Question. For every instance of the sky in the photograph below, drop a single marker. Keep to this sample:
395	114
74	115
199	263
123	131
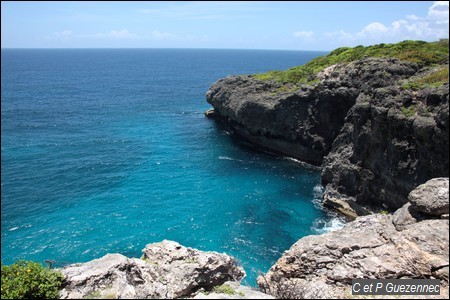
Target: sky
290	25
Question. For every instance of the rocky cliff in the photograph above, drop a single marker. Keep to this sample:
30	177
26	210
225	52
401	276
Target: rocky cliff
378	126
412	243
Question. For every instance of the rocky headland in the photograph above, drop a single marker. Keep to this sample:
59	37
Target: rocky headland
377	125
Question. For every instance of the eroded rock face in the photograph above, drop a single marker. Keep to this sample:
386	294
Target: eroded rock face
408	244
375	140
382	153
167	270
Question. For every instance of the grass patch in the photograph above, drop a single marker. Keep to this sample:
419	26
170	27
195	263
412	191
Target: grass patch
419	52
435	79
190	261
284	89
408	111
93	295
224	289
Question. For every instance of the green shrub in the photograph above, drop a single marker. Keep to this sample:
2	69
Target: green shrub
419	52
224	289
408	111
30	280
435	79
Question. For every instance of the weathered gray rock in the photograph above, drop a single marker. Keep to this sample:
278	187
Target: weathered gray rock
186	270
369	247
167	270
381	153
344	204
232	290
403	217
431	197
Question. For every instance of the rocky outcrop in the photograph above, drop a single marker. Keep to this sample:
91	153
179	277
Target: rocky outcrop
384	149
375	139
431	197
166	270
373	247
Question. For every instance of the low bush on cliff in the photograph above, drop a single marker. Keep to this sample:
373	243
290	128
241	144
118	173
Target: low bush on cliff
437	78
30	280
419	52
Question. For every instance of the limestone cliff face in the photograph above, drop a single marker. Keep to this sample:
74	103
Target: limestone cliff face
374	139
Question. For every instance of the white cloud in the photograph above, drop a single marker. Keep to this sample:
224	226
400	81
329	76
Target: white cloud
162	35
340	35
374	27
431	27
303	34
438	11
121	34
412	17
113	35
65	33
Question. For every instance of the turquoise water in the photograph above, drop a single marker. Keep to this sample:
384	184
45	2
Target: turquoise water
107	150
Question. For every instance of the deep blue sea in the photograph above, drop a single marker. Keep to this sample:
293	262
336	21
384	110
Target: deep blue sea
107	150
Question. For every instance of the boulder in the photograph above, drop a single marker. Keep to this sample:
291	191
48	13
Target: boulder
166	270
431	197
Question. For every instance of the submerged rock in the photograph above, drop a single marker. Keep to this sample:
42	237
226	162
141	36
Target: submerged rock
166	270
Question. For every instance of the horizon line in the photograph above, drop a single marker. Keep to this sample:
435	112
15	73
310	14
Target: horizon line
154	48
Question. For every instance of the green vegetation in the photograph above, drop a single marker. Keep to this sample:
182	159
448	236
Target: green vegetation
94	295
435	79
420	52
190	260
30	280
98	295
224	289
408	111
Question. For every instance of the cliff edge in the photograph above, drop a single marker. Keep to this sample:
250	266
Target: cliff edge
375	118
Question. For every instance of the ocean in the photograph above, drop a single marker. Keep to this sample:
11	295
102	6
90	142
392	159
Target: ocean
107	150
